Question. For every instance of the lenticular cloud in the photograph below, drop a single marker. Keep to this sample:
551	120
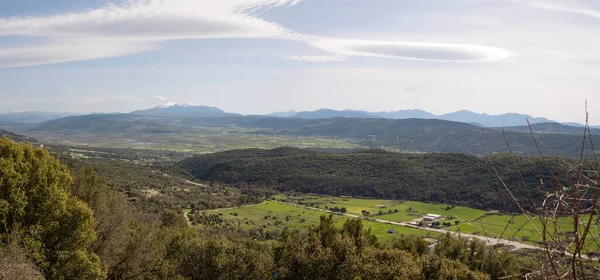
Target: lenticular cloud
411	50
144	25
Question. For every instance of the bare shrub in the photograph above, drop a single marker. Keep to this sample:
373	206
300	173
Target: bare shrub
14	263
567	208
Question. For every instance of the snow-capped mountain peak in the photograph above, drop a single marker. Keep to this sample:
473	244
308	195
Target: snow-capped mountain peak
182	109
170	104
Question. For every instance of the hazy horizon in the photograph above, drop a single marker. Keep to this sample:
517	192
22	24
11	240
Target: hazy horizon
280	111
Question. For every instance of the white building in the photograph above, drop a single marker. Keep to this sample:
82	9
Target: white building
432	217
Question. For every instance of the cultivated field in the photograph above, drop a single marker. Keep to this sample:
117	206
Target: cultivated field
522	229
391	210
275	216
199	140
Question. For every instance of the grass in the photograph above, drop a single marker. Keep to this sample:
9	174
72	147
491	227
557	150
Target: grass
471	221
407	210
292	217
353	205
518	228
200	140
410	210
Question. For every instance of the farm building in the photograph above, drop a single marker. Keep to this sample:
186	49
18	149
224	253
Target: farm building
432	217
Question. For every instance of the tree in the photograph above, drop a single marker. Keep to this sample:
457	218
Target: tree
35	200
220	258
361	236
343	210
326	230
474	254
412	244
111	212
438	267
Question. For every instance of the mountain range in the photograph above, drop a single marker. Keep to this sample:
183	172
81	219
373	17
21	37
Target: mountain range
32	116
172	109
503	120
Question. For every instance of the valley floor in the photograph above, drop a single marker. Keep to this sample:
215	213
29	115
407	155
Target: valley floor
388	219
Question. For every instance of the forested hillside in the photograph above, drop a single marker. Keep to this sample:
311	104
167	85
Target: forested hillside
448	178
16	137
552	128
105	123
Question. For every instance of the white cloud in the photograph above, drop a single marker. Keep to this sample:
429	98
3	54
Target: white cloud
158	97
155	20
314	58
69	50
410	50
142	25
137	25
564	6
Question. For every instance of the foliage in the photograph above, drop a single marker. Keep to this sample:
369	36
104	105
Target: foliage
494	262
327	253
153	189
412	244
16	137
56	228
445	178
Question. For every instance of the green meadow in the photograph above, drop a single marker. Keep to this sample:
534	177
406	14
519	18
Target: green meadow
272	215
275	216
527	229
406	210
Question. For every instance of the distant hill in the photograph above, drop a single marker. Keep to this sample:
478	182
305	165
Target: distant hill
182	110
31	116
420	135
405	114
465	116
185	110
411	135
16	137
579	125
447	178
328	113
414	135
283	114
105	123
551	128
510	119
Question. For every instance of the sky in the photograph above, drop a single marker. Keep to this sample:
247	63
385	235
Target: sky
539	57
